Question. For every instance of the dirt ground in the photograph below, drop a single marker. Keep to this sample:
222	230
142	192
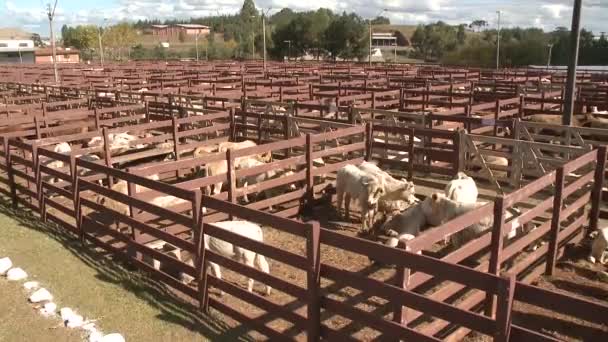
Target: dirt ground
574	276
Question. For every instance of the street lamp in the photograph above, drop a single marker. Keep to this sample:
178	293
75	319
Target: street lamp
498	41
289	49
264	33
549	57
196	44
370	34
51	15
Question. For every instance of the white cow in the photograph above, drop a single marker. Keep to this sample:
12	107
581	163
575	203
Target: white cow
352	182
462	189
246	229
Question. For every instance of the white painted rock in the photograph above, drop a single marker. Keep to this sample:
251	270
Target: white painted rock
31	285
75	321
41	295
95	336
48	309
114	337
5	265
16	274
66	313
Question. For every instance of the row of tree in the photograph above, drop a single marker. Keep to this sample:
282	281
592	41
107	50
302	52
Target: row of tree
325	34
117	40
518	47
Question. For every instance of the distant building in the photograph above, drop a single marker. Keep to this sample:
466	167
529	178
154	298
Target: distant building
384	39
174	30
64	55
16	51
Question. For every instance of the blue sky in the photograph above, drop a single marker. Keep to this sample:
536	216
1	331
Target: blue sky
547	14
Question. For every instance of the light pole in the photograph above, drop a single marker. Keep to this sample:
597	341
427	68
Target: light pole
549	57
370	34
51	15
288	49
196	45
99	33
498	41
264	33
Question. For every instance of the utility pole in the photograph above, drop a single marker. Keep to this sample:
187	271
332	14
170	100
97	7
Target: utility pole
575	35
99	34
370	42
549	57
51	14
498	42
196	45
264	35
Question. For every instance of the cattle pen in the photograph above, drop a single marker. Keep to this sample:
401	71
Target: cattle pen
424	124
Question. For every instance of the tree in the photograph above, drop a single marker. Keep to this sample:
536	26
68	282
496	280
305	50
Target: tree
299	32
461	34
401	39
282	18
380	20
479	24
246	33
119	37
37	40
346	37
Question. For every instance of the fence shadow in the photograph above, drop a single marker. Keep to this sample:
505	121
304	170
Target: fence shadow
174	309
573	328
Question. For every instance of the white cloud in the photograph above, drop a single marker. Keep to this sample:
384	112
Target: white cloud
555	10
547	14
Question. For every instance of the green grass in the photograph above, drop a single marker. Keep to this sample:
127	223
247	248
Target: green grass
122	300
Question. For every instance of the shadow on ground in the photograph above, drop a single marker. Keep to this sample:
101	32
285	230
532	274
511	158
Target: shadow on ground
173	308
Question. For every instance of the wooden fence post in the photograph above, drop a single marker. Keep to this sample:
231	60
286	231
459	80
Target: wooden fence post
259	127
78	211
107	153
175	134
506	292
310	181
313	277
402	278
496	117
75	195
496	249
232	124
37	178
199	244
37	127
9	171
598	184
135	233
460	149
410	155
231	175
558	203
97	120
369	141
